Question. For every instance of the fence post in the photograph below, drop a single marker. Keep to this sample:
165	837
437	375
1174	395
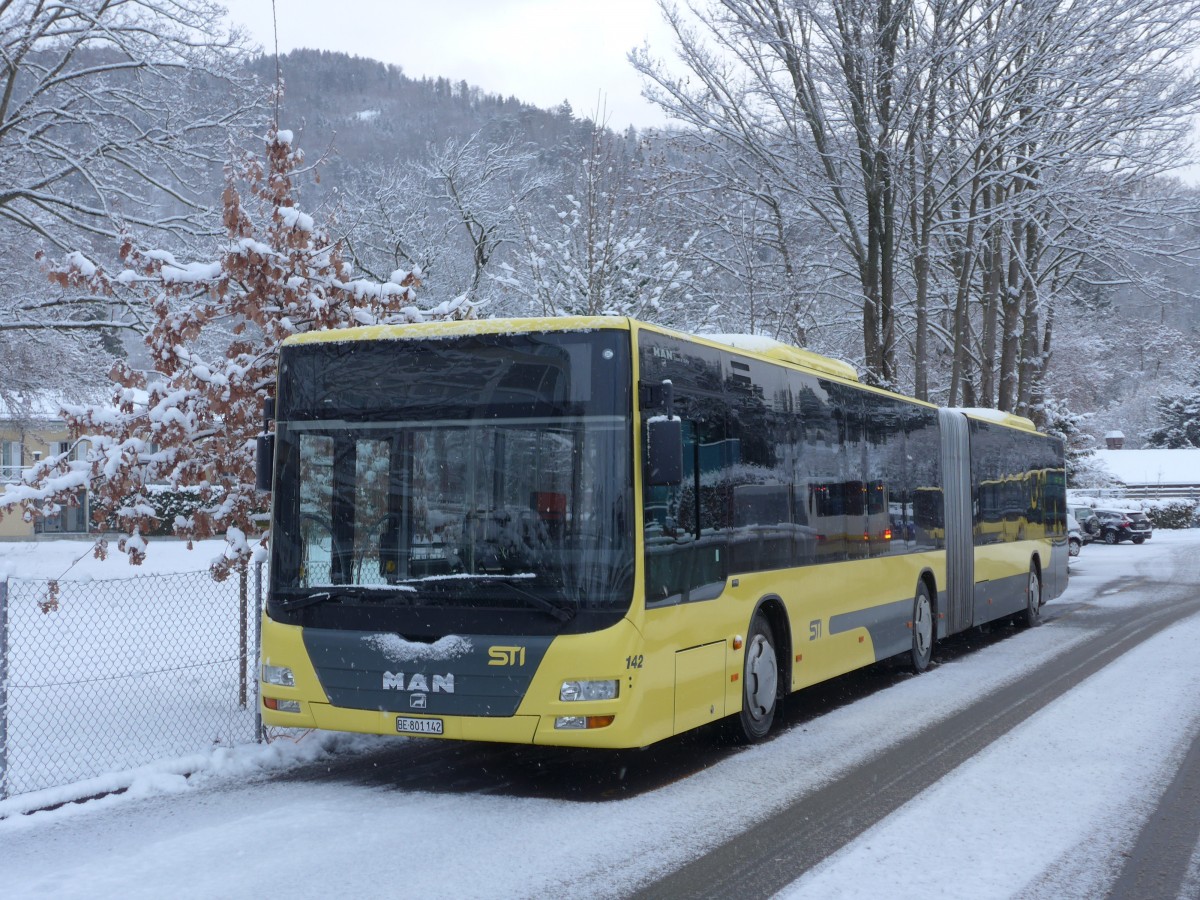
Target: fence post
243	636
4	689
258	606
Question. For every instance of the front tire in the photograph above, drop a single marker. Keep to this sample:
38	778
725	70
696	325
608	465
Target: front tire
1073	547
921	653
1033	601
1110	537
760	682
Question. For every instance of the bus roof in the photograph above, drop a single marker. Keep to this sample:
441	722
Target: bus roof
746	343
781	352
1012	420
753	345
418	330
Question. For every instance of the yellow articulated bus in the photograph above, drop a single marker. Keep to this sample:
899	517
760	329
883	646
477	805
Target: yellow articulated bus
597	532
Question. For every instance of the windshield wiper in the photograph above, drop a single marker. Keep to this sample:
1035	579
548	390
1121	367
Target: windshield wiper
306	600
349	592
560	611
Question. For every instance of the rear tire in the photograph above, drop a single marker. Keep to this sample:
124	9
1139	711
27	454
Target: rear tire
1139	540
921	653
760	682
1033	601
1073	547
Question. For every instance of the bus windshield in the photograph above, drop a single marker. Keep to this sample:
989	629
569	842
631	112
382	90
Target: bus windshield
480	472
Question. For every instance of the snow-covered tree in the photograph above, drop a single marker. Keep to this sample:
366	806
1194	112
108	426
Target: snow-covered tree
1059	421
1178	416
449	217
191	422
114	116
101	121
596	253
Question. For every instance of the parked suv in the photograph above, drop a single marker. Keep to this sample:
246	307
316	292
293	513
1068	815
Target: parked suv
1118	525
1089	522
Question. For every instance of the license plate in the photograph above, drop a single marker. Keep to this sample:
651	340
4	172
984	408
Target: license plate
405	725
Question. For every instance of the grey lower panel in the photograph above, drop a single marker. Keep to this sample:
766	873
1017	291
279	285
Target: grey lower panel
887	625
475	675
1000	597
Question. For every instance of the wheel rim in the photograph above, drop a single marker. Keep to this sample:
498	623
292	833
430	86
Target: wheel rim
762	678
1110	538
923	626
1035	593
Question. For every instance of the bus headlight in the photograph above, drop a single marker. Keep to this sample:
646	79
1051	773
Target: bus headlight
588	690
280	675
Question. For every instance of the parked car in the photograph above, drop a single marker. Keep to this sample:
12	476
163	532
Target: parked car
1118	525
1089	522
1142	529
1074	536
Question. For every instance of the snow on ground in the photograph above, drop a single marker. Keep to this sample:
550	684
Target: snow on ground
74	560
1043	811
94	663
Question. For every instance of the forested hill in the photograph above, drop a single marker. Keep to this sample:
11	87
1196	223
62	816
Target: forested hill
370	112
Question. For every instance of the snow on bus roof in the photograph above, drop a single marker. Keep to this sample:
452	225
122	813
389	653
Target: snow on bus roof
778	350
998	416
458	327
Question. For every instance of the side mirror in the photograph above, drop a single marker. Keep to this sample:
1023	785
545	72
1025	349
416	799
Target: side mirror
264	449
664	451
264	461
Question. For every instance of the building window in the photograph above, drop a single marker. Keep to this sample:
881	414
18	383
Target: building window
10	460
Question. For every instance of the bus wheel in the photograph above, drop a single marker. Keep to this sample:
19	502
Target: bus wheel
760	682
1033	601
922	630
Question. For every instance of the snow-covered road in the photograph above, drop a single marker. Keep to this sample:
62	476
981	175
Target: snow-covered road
1047	810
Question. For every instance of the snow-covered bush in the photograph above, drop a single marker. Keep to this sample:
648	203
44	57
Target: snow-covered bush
1172	513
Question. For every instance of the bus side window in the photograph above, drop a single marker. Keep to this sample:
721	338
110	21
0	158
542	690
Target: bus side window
686	525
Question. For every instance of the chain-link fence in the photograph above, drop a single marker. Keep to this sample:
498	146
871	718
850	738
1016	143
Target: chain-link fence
100	676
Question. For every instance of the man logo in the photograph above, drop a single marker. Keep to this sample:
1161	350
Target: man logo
506	656
442	684
418	701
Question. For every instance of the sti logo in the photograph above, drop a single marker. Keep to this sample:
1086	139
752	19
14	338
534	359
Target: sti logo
442	684
506	656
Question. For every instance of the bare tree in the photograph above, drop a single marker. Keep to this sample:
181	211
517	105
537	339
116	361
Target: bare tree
815	96
448	218
100	121
971	161
110	125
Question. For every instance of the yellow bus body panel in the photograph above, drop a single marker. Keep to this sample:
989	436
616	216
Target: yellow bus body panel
678	668
615	653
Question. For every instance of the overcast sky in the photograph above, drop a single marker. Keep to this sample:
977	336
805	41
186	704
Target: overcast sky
541	51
